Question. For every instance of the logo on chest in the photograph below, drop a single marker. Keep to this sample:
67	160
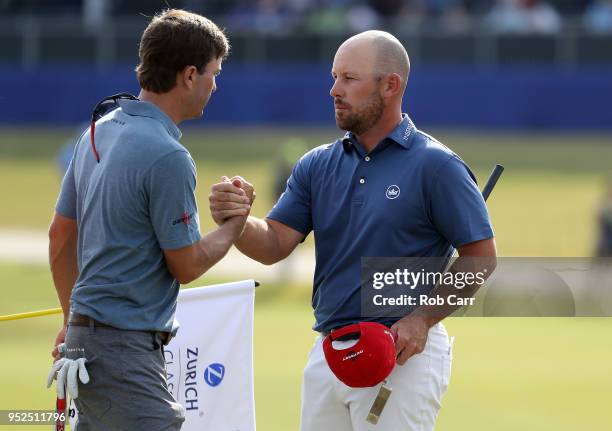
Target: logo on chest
392	192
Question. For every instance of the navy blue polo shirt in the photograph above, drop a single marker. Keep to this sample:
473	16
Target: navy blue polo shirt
410	196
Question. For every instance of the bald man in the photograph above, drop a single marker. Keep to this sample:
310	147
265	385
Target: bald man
384	189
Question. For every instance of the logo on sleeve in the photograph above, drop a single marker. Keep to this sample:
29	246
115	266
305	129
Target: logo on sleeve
185	218
393	192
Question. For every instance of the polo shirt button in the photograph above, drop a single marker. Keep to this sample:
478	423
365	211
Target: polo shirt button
362	181
367	158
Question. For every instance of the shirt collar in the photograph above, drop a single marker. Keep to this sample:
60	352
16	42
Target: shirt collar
142	108
402	135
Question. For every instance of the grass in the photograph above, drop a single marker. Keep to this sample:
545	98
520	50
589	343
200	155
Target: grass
533	213
531	374
544	204
508	374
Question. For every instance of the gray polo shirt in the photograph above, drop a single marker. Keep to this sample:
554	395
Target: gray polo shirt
136	202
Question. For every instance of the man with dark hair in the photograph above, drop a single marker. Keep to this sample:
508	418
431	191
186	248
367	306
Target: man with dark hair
174	40
384	189
126	229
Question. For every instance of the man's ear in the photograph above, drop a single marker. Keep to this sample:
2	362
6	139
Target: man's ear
186	77
392	84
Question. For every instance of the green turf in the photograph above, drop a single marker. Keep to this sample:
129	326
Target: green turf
565	152
551	181
530	374
508	374
534	213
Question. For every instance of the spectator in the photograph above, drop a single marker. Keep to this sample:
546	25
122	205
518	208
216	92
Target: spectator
263	16
363	17
598	17
524	17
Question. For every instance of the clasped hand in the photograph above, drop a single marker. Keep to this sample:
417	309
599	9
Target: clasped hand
228	198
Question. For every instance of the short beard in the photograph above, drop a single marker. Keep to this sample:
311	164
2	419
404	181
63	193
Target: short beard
359	122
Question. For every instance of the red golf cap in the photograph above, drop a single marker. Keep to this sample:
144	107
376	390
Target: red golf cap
369	361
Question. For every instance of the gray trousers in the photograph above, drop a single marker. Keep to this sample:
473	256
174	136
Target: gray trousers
127	390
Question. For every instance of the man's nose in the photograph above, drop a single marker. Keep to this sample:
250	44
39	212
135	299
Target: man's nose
335	90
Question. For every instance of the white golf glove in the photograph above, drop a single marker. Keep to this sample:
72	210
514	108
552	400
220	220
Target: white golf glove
67	371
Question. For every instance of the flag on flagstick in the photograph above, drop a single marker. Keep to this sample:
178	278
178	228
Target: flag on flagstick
210	363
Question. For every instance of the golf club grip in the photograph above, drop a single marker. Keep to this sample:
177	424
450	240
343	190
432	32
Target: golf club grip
495	174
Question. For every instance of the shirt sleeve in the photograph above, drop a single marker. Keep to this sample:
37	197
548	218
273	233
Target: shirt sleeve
67	199
293	208
173	210
457	207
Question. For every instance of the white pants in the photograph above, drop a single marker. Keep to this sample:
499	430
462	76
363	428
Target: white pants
418	387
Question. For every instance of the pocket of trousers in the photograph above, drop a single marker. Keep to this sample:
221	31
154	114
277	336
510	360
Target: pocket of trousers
137	368
93	399
447	365
138	343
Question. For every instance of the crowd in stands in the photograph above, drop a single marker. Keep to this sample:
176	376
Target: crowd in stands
341	16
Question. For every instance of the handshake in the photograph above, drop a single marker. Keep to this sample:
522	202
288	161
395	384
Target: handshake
230	201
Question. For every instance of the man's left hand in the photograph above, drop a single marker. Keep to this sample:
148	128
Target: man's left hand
248	188
61	336
410	337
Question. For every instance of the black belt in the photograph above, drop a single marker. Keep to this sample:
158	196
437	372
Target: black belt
76	319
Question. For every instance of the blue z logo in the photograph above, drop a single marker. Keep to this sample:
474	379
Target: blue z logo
213	375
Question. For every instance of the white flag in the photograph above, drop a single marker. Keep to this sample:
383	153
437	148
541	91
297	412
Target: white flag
209	363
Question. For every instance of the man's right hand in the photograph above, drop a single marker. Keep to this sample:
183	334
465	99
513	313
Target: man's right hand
227	199
266	241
